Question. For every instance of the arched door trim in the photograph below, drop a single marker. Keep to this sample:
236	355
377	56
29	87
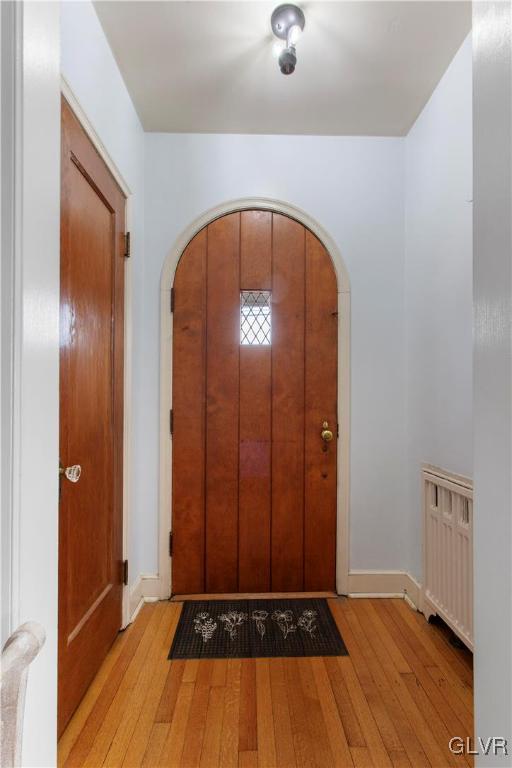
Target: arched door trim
162	586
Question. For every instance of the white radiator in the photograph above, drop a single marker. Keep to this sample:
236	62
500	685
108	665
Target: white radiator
448	550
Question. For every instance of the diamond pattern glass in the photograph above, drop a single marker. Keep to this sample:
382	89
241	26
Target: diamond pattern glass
255	318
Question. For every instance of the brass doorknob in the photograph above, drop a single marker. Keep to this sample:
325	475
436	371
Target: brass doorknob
71	473
326	433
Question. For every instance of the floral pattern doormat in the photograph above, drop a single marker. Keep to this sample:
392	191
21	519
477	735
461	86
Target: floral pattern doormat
220	629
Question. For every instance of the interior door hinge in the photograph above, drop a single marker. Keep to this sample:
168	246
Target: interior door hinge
172	299
337	430
127	245
171	421
170	543
125	572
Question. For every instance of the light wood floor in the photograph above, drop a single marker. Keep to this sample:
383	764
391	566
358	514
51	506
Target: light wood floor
396	700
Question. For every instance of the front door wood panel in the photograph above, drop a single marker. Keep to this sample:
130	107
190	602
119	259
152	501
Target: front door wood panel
288	405
255	440
222	411
321	337
91	413
254	485
189	418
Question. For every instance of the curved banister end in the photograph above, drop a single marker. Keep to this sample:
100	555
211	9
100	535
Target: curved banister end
19	651
22	646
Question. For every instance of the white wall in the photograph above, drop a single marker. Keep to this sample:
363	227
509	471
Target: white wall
354	188
493	372
90	70
438	287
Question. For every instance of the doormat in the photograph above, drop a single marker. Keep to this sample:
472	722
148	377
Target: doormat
241	629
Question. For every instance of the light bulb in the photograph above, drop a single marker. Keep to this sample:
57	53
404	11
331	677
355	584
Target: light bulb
293	34
277	48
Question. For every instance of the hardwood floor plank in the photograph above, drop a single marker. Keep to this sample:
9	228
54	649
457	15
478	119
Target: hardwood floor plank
265	723
210	753
304	747
333	724
173	747
190	671
196	723
315	719
170	692
219	672
361	757
248	740
285	751
346	711
231	721
399	759
248	759
155	745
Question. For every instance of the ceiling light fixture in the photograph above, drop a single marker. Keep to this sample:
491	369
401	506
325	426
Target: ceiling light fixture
287	24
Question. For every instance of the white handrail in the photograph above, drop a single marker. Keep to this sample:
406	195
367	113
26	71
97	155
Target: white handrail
18	652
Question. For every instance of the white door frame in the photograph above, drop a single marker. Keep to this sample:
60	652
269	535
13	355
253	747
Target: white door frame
30	224
84	121
167	278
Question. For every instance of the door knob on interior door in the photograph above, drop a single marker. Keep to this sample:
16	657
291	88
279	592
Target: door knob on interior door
326	433
71	473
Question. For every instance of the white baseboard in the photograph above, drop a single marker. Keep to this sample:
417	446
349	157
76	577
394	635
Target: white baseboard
146	589
385	584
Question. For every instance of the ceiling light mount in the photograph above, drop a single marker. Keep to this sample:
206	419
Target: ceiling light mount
287	23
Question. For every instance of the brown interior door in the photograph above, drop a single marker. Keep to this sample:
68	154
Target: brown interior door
254	379
91	413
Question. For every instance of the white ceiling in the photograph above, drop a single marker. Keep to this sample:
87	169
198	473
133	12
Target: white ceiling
364	68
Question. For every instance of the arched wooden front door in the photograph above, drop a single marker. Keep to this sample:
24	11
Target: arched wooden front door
254	379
